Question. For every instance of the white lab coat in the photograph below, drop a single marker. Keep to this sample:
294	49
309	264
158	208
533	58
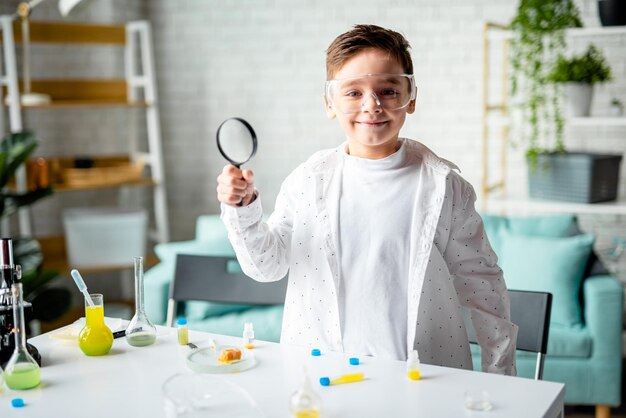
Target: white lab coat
300	238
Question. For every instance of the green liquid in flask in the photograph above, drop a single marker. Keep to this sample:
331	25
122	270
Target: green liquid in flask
22	376
141	339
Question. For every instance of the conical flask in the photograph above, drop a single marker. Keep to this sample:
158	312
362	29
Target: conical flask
22	371
140	331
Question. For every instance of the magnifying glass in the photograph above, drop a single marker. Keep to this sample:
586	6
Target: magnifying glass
236	141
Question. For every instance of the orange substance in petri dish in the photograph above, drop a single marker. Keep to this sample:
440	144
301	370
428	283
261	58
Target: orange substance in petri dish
229	355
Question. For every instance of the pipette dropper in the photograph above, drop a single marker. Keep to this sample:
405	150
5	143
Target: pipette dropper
81	286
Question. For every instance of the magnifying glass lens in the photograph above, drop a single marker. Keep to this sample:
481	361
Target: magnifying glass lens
236	141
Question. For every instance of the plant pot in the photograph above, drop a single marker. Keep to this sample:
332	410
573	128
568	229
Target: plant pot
579	177
612	12
578	99
616	110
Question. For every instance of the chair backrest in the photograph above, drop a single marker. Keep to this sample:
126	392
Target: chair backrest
530	311
219	279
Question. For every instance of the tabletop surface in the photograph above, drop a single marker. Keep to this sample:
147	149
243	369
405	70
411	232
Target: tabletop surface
128	382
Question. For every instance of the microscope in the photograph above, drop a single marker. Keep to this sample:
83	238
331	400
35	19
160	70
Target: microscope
9	274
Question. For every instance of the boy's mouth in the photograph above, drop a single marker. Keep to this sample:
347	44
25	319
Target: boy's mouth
372	123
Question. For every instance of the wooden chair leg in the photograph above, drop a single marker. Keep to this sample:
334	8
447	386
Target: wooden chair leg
603	411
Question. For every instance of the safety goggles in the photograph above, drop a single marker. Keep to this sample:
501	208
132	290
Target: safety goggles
389	91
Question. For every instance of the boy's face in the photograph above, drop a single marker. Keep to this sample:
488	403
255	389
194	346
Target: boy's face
372	131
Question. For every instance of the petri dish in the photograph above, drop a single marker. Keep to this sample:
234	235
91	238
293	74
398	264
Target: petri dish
477	400
204	360
199	395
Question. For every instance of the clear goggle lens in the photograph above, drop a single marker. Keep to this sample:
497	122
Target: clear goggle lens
389	91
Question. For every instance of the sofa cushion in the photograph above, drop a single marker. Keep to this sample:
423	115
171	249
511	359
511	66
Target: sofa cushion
554	265
543	226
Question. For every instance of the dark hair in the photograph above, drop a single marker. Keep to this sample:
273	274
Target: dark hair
362	37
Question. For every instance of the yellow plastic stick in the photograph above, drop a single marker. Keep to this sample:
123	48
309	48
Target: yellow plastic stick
346	378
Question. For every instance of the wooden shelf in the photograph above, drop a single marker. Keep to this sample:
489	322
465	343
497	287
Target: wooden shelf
599	30
55	258
71	33
143	182
136	88
597	121
73	104
522	205
73	93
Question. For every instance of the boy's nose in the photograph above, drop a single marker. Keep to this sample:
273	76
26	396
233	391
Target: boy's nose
367	104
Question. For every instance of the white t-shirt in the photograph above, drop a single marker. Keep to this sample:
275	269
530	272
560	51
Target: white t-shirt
377	197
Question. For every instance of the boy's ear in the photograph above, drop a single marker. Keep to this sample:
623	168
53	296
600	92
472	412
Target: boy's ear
330	112
411	107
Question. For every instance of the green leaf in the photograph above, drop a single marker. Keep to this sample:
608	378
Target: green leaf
590	67
11	202
15	149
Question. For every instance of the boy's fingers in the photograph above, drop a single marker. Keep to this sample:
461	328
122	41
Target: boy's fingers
235	185
248	176
231	170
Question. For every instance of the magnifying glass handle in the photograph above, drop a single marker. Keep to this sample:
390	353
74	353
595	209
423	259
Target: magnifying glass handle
240	203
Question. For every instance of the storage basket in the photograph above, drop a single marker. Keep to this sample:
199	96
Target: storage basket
104	237
578	177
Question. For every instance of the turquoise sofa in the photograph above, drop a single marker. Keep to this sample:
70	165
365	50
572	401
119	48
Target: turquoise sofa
539	253
549	253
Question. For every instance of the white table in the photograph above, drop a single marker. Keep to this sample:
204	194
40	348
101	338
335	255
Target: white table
127	383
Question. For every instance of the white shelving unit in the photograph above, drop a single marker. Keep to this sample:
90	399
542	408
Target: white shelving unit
136	90
496	116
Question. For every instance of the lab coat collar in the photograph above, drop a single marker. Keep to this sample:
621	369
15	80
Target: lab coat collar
321	162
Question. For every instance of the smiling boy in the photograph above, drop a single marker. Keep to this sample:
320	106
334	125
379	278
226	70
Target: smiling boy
379	236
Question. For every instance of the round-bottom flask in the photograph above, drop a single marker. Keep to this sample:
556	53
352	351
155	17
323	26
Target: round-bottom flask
95	339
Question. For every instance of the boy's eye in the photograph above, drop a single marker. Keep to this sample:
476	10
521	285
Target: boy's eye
352	94
388	93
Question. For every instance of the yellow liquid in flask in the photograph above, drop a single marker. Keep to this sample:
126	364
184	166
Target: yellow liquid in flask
96	338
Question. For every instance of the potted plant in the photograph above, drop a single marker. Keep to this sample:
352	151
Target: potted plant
49	302
579	74
538	41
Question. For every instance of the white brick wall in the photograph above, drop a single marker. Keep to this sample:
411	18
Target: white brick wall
265	61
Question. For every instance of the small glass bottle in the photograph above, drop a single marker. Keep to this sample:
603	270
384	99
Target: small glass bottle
95	339
183	331
305	402
413	366
248	335
22	371
140	331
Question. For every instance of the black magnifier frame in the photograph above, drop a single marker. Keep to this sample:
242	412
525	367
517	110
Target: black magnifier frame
237	164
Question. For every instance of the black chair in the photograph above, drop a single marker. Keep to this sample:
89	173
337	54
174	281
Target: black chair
218	279
530	311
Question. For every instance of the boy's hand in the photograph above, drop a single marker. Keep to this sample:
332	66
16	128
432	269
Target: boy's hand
235	187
